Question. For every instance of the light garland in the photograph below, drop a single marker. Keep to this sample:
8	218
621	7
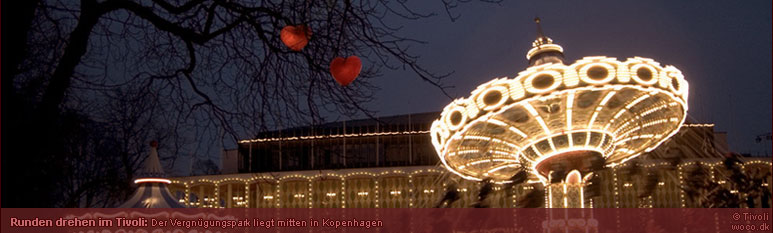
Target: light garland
408	175
152	180
542	48
333	136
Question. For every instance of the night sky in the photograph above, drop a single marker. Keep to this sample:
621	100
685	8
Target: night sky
722	47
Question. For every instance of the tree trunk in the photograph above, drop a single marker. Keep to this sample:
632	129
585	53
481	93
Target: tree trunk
76	48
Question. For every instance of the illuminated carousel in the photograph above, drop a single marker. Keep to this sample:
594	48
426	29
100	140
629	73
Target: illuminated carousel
557	121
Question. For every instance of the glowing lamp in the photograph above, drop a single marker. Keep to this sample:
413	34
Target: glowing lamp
345	70
295	37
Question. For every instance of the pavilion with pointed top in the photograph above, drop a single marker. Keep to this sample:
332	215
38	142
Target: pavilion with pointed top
152	191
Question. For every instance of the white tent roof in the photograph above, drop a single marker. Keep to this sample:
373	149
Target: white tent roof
152	191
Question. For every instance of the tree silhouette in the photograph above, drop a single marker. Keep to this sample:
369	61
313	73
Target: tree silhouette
711	194
208	66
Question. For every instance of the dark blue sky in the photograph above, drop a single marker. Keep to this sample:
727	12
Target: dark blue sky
722	47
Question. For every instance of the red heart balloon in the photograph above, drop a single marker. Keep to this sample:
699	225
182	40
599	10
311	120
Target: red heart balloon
295	37
345	70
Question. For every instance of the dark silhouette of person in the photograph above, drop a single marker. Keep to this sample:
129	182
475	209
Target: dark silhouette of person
485	190
451	195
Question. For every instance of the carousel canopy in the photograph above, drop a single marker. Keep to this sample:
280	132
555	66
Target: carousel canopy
561	117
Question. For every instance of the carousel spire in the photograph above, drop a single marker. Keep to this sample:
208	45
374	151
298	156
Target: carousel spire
539	28
543	49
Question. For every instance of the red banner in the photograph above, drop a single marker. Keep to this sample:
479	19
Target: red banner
386	220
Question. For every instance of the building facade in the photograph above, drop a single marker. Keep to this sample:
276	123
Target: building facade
390	163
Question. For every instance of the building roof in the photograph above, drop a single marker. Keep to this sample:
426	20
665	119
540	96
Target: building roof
406	122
